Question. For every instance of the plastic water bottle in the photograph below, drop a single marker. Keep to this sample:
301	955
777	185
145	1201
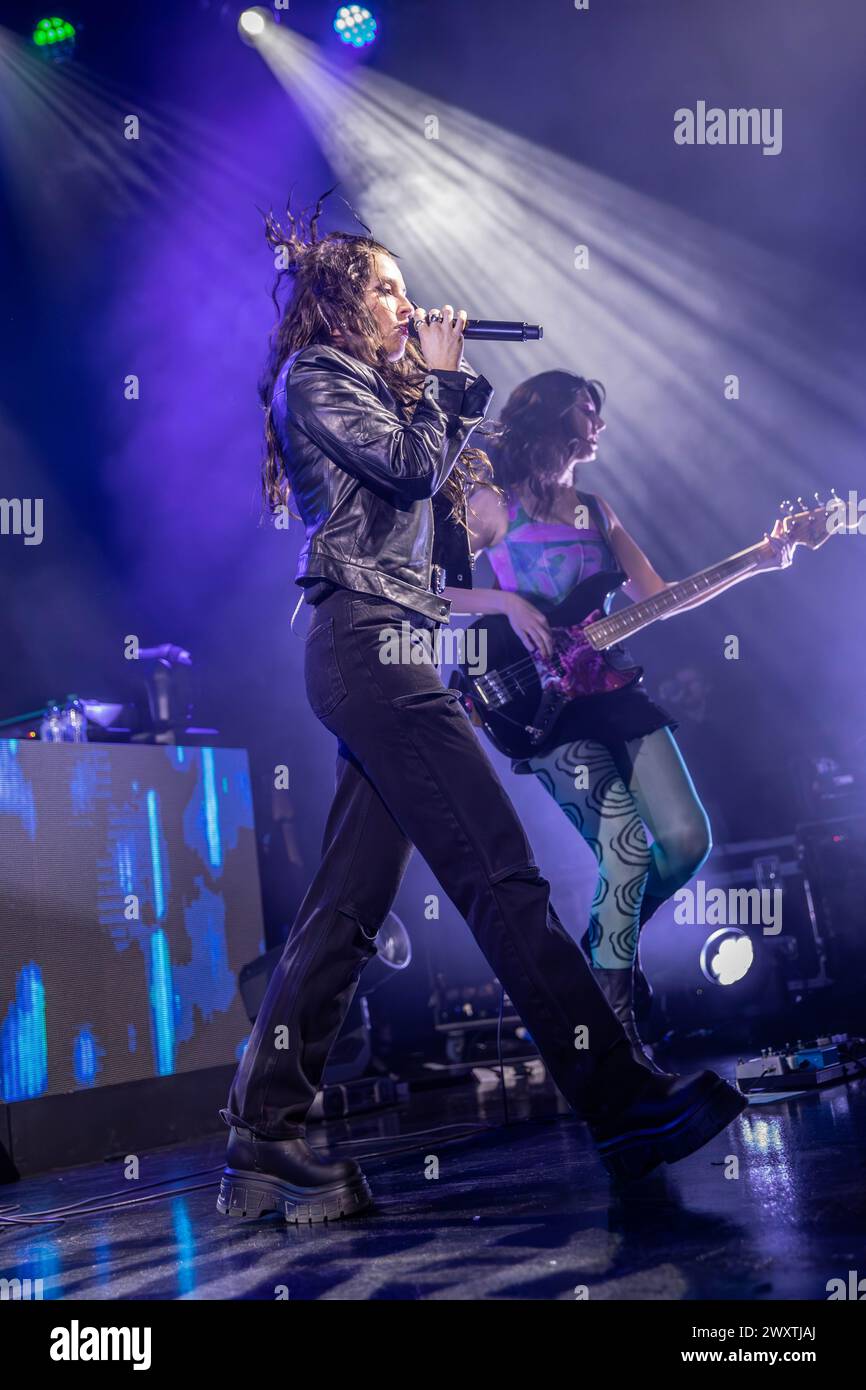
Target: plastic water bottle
75	721
51	730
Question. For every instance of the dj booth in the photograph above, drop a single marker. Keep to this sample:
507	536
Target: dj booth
129	901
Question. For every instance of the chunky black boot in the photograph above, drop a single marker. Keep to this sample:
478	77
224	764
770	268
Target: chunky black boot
669	1118
643	990
285	1175
617	986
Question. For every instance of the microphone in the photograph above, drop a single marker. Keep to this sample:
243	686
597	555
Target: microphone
495	330
167	655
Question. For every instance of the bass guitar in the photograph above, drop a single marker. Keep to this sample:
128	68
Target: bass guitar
520	697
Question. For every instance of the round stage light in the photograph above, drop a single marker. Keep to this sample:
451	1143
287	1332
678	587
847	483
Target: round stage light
55	37
393	954
393	943
355	25
727	956
252	23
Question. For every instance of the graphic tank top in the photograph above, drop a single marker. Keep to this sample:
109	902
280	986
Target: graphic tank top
545	561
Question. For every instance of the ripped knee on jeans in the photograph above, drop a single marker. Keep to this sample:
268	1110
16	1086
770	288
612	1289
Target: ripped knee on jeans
368	925
529	872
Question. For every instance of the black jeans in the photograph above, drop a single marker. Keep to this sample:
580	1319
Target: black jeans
411	771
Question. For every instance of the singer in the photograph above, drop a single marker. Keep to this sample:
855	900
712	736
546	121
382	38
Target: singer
362	429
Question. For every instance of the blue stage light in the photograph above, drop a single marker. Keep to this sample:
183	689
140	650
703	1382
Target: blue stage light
355	25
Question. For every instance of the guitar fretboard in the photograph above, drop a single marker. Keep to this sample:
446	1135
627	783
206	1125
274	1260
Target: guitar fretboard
618	626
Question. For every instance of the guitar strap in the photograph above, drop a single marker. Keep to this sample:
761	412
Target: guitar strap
599	517
596	512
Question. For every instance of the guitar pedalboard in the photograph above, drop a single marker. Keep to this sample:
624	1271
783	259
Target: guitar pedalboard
804	1066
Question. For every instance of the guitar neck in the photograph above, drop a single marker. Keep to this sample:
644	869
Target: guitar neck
619	626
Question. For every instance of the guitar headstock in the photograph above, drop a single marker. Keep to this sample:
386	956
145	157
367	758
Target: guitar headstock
811	526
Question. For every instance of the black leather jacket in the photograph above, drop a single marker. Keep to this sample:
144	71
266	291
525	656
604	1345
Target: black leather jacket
362	479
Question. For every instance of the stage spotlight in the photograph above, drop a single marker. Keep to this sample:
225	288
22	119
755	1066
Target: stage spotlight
727	956
252	23
393	945
55	38
354	24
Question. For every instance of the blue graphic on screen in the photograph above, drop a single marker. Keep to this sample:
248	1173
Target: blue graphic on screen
24	1040
86	1057
155	853
129	900
126	875
83	786
184	1239
16	796
211	808
162	1003
206	983
215	820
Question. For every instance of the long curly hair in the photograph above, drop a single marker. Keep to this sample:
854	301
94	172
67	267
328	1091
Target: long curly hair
327	278
533	443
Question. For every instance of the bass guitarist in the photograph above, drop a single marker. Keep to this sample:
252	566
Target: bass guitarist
615	769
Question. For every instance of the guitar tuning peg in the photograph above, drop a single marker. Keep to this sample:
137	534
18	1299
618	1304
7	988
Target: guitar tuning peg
817	497
833	492
801	503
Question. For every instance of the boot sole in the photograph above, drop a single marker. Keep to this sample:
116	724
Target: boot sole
255	1194
634	1154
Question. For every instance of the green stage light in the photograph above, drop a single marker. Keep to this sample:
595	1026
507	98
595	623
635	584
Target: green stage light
54	33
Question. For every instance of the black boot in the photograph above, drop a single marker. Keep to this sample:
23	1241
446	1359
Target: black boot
617	986
285	1175
669	1118
643	990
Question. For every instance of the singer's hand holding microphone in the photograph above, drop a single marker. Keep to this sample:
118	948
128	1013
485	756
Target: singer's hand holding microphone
440	334
450	330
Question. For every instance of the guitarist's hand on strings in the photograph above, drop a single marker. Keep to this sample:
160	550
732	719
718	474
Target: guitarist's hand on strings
780	549
529	623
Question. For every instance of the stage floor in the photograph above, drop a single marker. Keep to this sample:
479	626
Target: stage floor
517	1211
